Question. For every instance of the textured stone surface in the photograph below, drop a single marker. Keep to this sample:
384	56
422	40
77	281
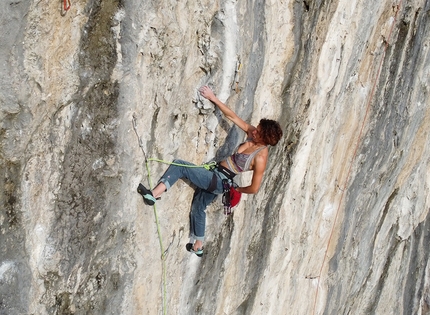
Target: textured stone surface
341	223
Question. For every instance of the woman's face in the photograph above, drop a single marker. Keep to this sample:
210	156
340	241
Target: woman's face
256	135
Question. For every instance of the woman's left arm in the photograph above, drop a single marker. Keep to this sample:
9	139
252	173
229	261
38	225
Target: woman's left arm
260	162
207	93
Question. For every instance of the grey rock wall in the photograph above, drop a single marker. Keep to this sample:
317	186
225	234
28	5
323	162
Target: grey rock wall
341	222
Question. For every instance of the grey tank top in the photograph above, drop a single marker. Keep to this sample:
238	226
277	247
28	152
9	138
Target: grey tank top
240	162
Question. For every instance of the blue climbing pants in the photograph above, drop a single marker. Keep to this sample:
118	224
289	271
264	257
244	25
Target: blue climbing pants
202	179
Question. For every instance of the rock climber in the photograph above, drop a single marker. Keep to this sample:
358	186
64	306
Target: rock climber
250	155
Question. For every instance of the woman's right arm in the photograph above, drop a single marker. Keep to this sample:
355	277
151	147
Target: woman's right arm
207	93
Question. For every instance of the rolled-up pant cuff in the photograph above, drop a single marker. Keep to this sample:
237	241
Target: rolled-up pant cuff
165	182
196	238
199	238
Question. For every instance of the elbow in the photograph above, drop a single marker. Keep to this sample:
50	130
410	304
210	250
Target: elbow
250	190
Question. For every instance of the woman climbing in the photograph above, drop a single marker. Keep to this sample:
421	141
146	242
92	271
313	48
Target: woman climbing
250	155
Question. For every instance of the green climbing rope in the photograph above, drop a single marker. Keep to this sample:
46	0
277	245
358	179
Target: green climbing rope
163	254
157	222
208	166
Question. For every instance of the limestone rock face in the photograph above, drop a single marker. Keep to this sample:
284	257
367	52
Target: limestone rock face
341	223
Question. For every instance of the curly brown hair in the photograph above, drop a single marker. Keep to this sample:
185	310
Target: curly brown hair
271	131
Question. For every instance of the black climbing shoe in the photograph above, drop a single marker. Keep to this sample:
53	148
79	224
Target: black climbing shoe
148	198
198	252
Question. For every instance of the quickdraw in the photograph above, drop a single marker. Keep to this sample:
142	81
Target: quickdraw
67	5
230	196
226	200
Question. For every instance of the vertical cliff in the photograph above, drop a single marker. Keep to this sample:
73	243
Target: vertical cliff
341	222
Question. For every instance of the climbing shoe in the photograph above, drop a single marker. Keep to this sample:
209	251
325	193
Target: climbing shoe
198	252
148	198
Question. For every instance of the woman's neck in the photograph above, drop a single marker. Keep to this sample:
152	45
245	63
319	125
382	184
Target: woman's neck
258	143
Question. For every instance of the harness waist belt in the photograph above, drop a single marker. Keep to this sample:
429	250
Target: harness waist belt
229	174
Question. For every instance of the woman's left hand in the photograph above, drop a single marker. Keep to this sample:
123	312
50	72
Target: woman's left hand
207	93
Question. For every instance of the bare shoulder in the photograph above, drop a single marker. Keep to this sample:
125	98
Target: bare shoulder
260	160
264	153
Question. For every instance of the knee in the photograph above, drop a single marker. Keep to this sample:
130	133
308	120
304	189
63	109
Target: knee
180	162
198	211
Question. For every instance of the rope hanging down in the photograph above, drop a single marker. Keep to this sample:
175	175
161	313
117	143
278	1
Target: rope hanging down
163	252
